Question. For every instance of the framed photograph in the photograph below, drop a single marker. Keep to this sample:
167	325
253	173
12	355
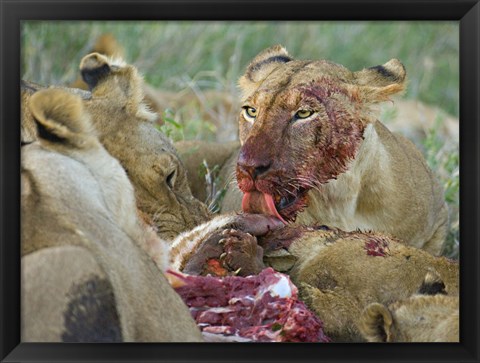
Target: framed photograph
208	76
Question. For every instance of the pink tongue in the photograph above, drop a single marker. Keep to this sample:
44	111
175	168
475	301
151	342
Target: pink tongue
260	203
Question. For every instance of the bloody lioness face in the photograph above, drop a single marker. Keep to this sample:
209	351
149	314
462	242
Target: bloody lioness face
301	125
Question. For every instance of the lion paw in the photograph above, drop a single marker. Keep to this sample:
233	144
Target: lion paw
241	253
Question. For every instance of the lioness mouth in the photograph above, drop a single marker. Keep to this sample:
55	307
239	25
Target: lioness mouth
284	208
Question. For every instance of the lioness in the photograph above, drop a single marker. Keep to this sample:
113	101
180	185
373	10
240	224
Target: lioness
85	277
428	316
338	273
87	271
126	128
313	152
217	109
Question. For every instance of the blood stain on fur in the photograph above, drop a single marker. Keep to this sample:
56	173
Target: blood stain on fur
376	246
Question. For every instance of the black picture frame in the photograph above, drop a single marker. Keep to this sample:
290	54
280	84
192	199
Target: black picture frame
12	12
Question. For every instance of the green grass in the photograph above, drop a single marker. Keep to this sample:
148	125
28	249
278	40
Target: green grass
445	160
212	55
187	129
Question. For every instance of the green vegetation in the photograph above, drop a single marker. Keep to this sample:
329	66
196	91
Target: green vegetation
444	159
207	55
214	54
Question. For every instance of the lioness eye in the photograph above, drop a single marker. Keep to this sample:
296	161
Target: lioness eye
303	114
250	113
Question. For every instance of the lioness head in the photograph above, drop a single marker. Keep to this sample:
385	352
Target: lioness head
68	175
428	316
301	124
126	128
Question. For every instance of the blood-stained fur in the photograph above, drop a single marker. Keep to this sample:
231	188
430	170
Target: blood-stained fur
314	151
338	273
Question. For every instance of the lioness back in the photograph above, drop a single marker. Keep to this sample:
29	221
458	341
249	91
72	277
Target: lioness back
313	151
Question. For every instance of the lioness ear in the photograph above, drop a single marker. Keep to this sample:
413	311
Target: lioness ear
376	323
59	116
107	45
261	66
118	81
93	68
379	82
432	284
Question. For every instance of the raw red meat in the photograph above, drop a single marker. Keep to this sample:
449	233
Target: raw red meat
263	308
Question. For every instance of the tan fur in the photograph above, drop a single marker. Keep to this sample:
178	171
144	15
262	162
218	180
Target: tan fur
218	109
28	130
74	193
416	120
338	273
107	45
410	118
420	318
196	154
126	128
387	187
46	288
338	278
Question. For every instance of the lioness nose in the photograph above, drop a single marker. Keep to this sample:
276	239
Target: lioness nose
254	168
